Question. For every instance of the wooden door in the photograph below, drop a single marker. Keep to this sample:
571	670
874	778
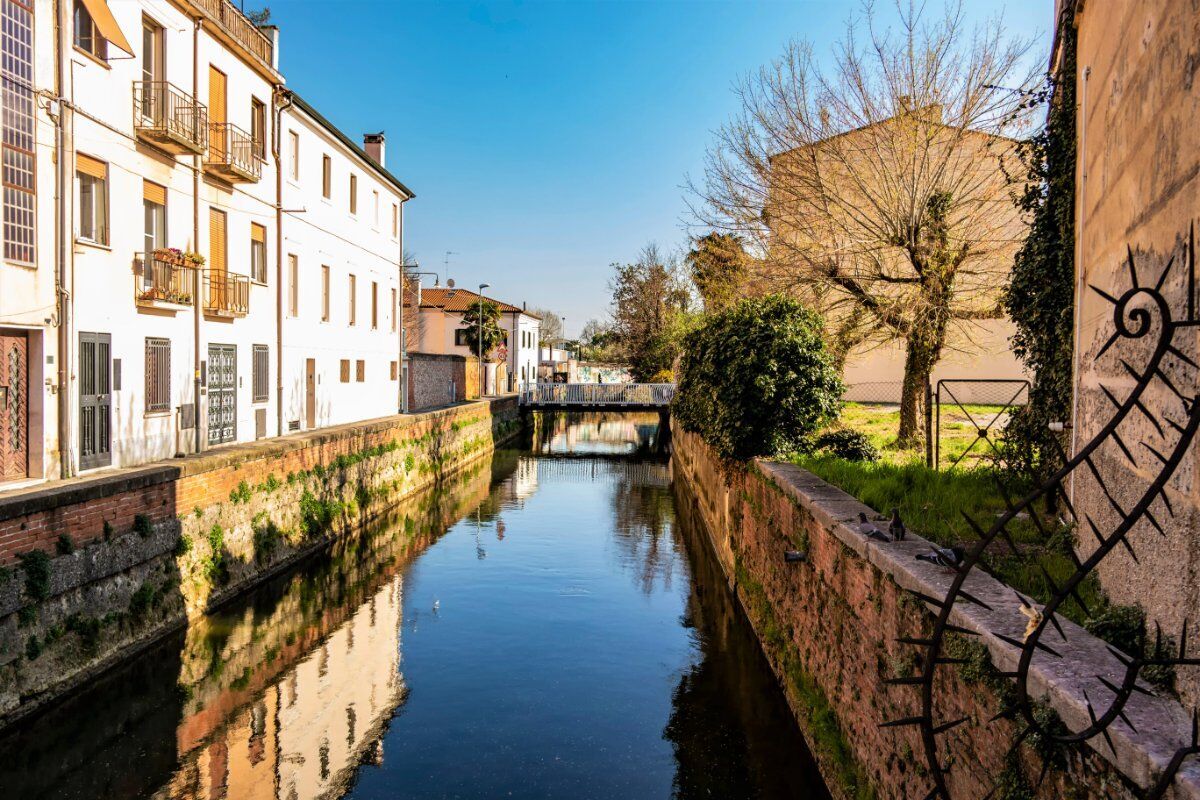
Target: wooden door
222	393
217	115
310	393
95	400
14	405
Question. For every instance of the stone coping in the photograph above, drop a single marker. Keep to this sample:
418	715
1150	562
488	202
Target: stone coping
1161	724
93	486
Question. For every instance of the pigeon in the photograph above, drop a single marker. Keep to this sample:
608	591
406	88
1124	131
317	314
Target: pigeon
950	557
870	530
791	556
896	526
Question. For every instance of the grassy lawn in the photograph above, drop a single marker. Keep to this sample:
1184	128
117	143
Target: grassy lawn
933	503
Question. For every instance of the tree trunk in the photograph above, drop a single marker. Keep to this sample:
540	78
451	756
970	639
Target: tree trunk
924	346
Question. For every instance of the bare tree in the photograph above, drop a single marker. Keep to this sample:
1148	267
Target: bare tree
874	188
551	331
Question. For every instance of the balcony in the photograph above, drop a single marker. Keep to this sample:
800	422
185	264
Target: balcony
231	154
169	118
164	281
233	23
226	294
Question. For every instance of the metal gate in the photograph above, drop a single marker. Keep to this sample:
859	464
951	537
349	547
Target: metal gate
982	403
95	400
14	405
222	393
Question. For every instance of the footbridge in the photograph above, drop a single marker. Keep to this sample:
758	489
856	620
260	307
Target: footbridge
598	396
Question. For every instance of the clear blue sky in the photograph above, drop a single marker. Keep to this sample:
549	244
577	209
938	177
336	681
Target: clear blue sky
546	140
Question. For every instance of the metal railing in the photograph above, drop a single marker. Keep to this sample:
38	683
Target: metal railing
161	280
242	30
598	394
226	293
231	151
167	114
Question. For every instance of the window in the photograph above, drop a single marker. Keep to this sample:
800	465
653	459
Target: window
326	177
293	285
158	375
154	236
324	294
294	149
87	35
460	337
395	221
392	371
262	373
353	194
375	209
345	370
394	307
93	198
360	370
374	305
258	253
353	300
152	51
16	144
258	128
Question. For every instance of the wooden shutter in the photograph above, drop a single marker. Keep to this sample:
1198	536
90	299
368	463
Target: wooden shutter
91	166
216	114
216	241
153	193
258	233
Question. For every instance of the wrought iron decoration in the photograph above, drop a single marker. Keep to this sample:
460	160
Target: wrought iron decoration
1135	313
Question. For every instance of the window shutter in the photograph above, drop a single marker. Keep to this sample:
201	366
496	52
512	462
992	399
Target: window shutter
153	193
258	233
216	240
91	166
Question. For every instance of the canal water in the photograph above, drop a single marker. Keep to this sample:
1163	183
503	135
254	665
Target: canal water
543	626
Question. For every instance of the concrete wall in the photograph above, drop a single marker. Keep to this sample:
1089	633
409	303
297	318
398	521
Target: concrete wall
829	627
435	380
1137	178
213	526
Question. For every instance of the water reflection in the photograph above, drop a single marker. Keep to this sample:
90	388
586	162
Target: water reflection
550	626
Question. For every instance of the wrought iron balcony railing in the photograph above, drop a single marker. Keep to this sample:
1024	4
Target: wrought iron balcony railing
161	281
231	154
169	118
226	294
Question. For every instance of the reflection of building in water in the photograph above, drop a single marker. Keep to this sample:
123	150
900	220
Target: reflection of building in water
613	433
305	735
524	481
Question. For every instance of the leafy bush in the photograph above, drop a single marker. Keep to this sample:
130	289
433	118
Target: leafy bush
756	379
65	544
848	444
663	376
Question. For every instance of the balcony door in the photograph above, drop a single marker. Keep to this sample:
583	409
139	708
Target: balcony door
222	393
217	114
154	211
153	61
95	400
218	252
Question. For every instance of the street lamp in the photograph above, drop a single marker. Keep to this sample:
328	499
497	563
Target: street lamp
482	286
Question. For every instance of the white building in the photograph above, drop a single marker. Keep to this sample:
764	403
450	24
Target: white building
440	329
178	295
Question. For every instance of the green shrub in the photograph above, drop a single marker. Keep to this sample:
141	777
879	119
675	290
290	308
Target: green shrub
65	544
240	494
756	379
142	525
36	564
848	444
183	545
108	530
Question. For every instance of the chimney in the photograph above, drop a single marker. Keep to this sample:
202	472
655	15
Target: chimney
373	144
272	33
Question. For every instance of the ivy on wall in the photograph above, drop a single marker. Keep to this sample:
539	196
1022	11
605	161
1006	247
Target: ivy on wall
1040	296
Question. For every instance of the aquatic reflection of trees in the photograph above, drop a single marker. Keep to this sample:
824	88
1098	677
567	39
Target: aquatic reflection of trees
644	531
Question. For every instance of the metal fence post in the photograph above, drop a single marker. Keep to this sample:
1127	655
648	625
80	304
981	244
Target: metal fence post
929	429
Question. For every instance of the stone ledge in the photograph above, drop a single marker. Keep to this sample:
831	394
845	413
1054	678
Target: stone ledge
1162	724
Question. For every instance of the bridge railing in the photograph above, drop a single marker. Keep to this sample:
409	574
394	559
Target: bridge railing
598	394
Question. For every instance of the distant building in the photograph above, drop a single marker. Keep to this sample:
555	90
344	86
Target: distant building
440	329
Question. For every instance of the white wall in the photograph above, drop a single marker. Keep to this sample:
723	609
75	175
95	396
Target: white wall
437	334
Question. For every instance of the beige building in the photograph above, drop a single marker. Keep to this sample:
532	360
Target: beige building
828	206
1137	183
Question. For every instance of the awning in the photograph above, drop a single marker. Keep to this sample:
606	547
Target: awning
106	24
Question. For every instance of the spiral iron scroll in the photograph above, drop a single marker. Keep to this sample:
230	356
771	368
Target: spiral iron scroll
1135	313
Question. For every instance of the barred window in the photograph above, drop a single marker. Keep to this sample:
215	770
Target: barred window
158	374
262	373
16	144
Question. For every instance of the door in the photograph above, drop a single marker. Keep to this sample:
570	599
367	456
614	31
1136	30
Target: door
14	405
216	114
310	393
95	400
222	393
218	251
154	94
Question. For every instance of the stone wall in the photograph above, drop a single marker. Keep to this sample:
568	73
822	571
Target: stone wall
216	525
429	379
1137	178
830	624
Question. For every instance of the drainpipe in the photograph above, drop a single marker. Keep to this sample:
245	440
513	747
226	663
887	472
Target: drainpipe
62	296
281	99
196	241
404	378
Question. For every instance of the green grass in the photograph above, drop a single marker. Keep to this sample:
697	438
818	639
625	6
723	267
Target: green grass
958	433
